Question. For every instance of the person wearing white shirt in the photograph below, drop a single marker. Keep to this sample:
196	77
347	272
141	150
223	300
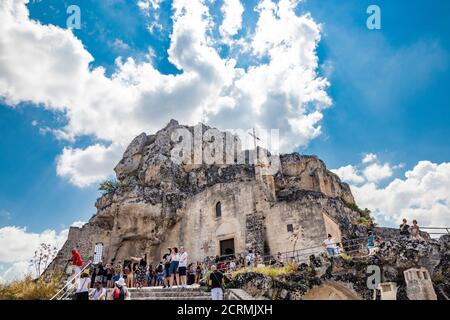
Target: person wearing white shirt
182	267
330	245
232	265
98	293
250	258
84	283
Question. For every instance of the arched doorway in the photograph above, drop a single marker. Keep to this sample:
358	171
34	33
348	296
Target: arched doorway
331	290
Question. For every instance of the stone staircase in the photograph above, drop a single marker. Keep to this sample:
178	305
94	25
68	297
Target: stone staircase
190	293
158	293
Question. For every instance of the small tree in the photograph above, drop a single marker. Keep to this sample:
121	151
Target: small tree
43	256
109	186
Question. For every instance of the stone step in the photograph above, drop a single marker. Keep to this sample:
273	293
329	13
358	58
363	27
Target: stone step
169	294
172	298
163	290
177	293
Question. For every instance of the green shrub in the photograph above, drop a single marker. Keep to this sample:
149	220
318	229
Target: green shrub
364	222
345	256
365	217
109	186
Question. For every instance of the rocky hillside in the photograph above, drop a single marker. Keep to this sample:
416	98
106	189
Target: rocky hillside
135	216
348	276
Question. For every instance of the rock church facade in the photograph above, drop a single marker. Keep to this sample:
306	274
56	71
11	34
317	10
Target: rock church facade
211	209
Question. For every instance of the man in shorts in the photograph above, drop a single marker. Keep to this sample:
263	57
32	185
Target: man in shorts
182	267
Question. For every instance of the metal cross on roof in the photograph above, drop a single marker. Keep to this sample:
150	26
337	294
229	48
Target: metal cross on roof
255	138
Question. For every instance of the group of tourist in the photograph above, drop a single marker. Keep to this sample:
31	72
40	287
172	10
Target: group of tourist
91	283
175	269
232	262
407	231
373	241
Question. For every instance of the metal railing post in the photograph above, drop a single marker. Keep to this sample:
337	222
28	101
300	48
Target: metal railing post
69	281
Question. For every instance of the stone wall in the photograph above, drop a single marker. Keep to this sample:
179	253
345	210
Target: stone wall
332	227
84	240
254	235
307	223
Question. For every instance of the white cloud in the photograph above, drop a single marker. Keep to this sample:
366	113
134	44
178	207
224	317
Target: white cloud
423	193
369	170
282	92
369	157
18	247
86	166
232	11
15	271
120	45
78	224
150	8
349	174
376	172
146	5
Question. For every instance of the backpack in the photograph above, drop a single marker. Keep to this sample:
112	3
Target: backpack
119	294
160	268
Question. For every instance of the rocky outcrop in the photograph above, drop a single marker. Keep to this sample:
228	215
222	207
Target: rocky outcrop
300	172
154	192
255	284
323	273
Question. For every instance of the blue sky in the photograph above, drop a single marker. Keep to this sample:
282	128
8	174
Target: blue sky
389	89
389	86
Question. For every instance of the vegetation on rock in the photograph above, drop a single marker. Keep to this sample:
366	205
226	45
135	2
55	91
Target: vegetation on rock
30	289
269	271
109	186
365	218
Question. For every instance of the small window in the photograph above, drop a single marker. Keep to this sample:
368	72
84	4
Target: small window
290	228
218	209
425	276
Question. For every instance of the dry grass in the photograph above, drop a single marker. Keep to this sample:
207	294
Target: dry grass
272	272
30	289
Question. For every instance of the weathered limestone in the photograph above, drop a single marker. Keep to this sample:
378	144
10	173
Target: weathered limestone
388	290
419	285
164	203
331	290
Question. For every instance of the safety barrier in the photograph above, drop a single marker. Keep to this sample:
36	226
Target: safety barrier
70	287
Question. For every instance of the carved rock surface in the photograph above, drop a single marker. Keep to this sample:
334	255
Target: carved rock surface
348	278
144	214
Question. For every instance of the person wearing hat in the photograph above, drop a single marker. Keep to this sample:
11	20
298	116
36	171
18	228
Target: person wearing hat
120	291
84	284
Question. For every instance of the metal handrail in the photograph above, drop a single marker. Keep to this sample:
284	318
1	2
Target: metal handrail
285	253
300	255
297	258
69	281
447	229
